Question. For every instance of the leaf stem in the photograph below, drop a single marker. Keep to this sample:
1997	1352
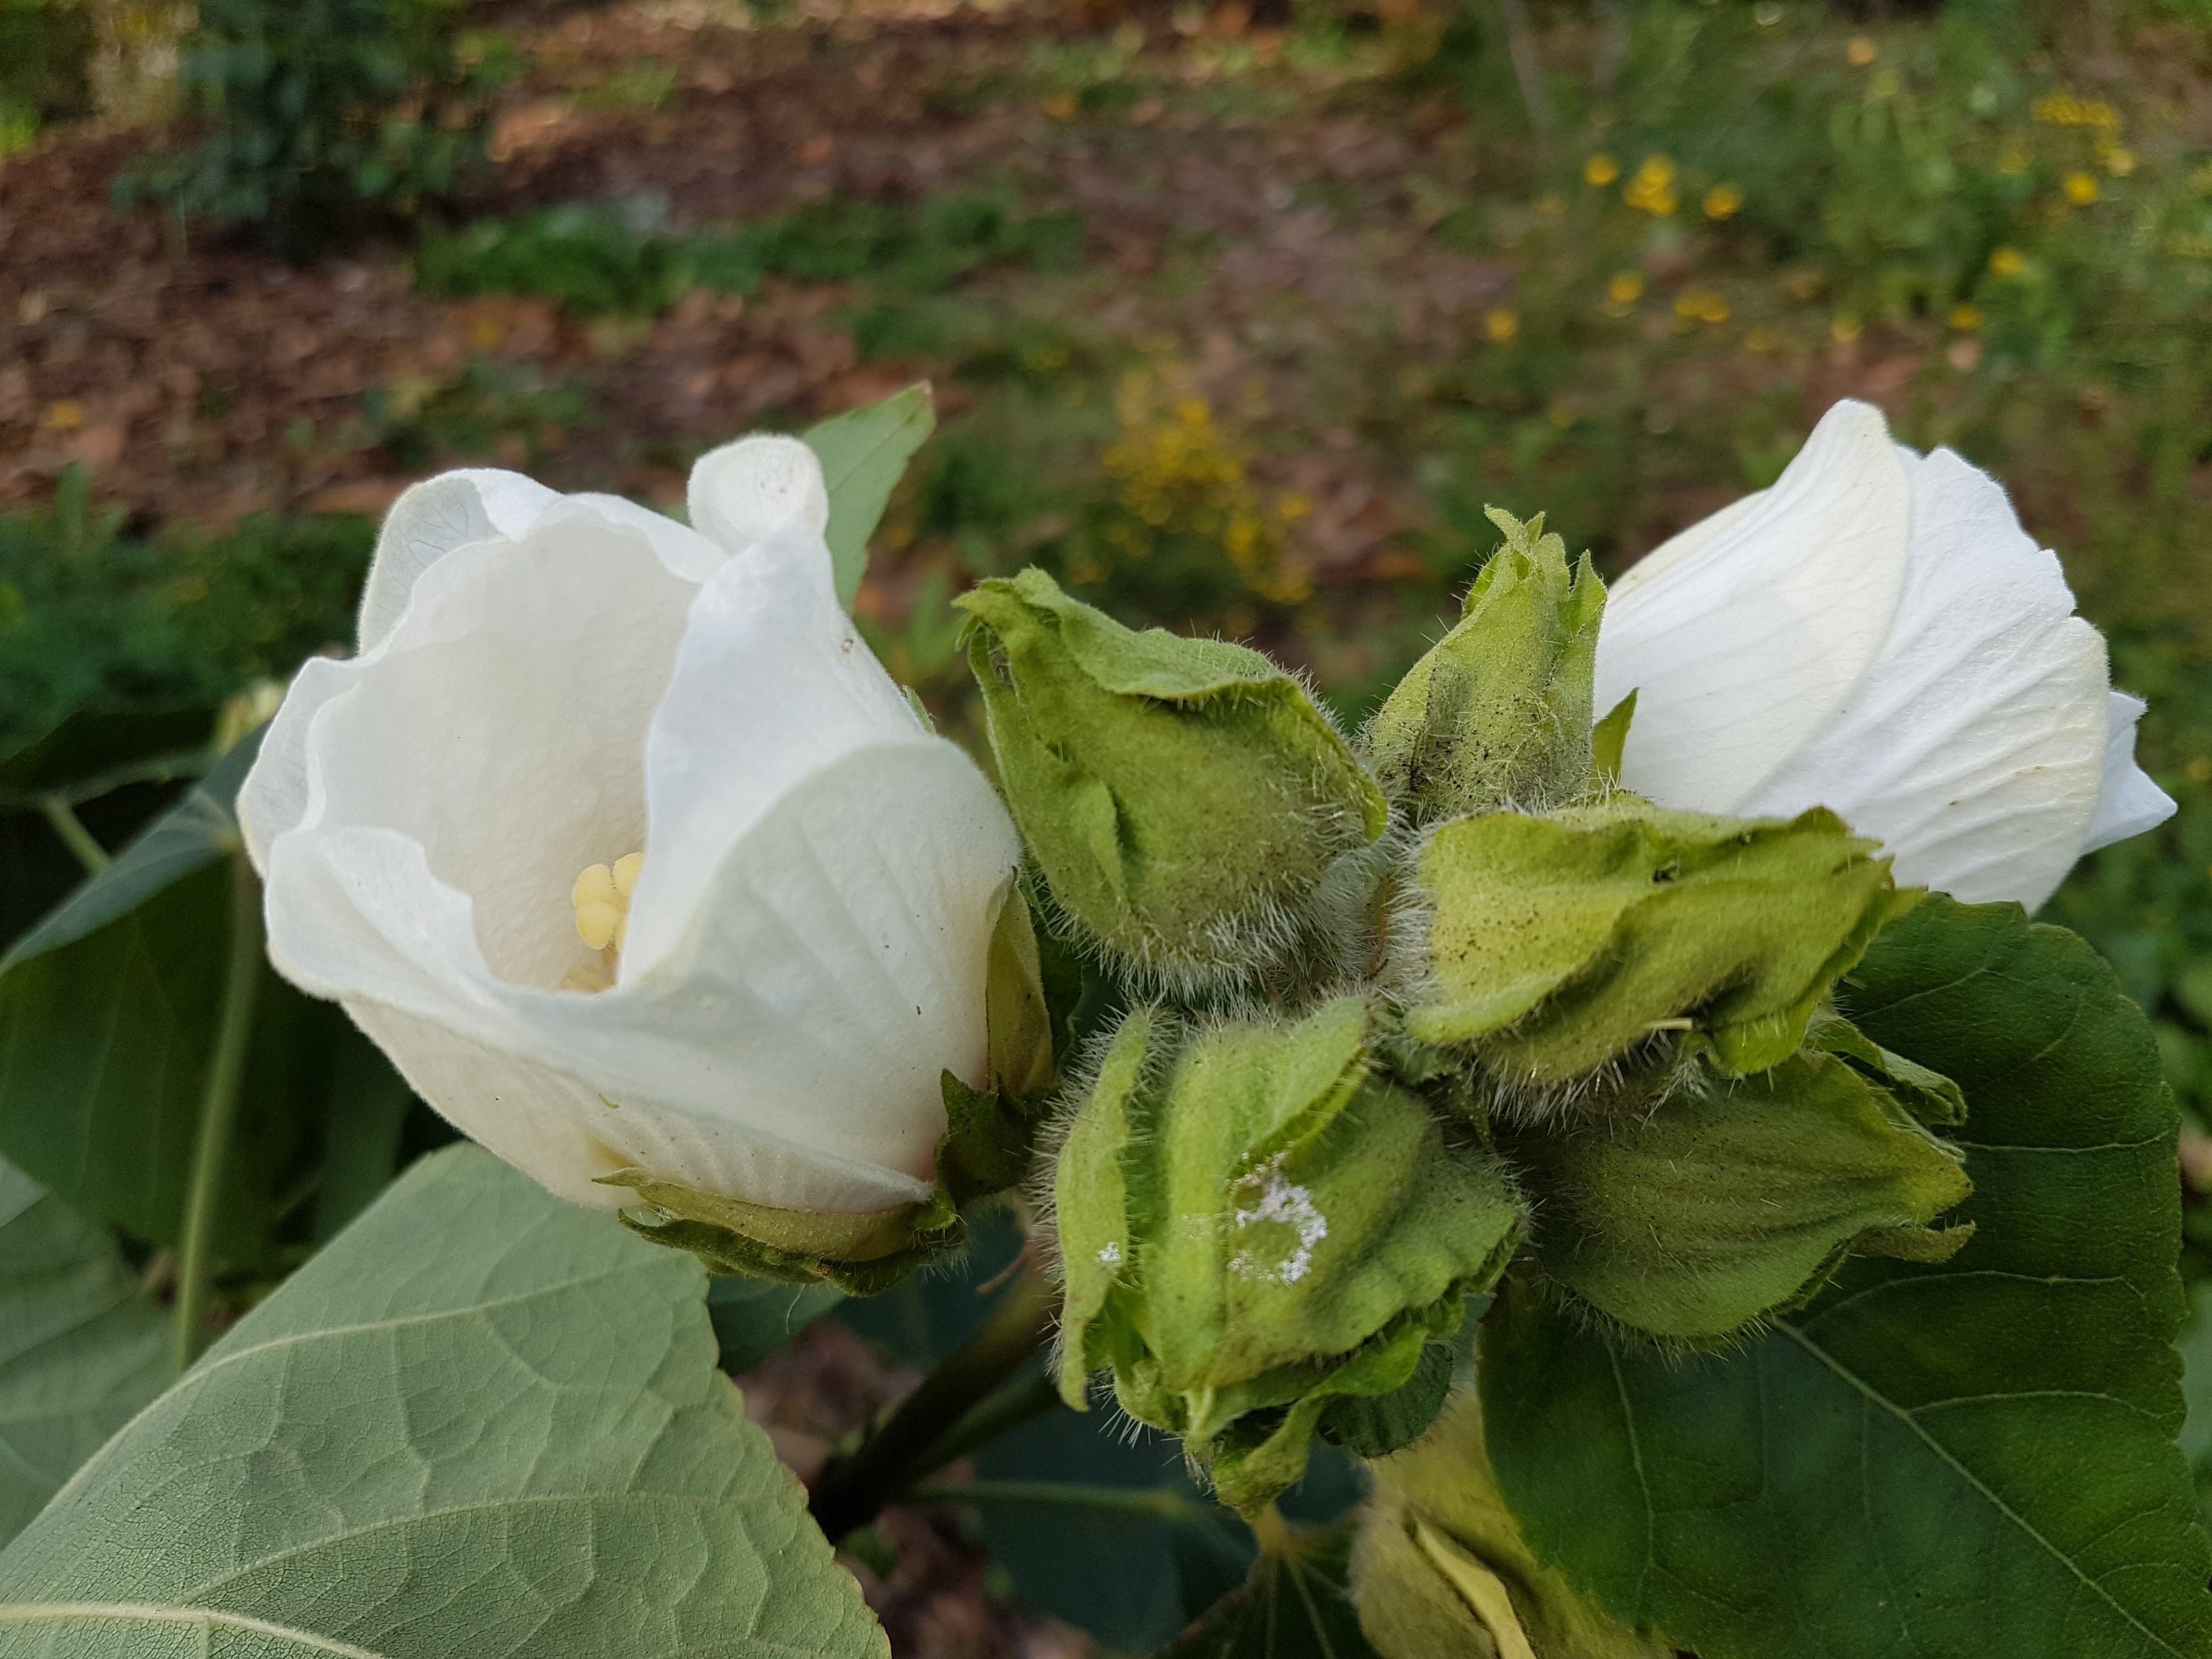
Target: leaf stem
75	837
226	1075
1136	1502
850	1492
1003	1412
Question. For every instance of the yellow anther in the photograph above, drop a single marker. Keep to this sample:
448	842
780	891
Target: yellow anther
601	898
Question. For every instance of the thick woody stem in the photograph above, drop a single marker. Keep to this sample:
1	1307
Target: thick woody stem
850	1492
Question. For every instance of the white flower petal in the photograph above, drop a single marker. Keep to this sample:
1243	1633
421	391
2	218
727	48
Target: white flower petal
682	550
747	491
772	683
502	726
1973	745
1743	648
274	798
2128	802
429	521
788	1052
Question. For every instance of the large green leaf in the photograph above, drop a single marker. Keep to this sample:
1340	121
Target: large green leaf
82	1346
1293	1606
108	1015
198	831
1929	1461
483	1422
863	453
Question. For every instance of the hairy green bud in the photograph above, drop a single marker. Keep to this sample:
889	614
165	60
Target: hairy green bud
1499	713
1692	1220
1252	1228
1441	1566
1184	799
1553	946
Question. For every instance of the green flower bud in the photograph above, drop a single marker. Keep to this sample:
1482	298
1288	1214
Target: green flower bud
1440	1567
1499	713
1184	799
1252	1228
1553	946
1693	1218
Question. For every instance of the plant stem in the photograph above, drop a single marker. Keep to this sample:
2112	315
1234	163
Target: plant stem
75	837
226	1074
851	1492
1528	73
1137	1502
1003	1412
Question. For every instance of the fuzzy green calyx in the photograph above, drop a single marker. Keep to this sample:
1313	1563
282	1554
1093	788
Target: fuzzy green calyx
1184	799
860	1253
1442	1567
1252	1227
1499	713
1692	1219
1556	944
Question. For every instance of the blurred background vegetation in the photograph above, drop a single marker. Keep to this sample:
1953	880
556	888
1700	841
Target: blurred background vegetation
1238	314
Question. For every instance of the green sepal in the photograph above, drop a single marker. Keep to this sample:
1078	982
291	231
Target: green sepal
860	1253
1260	1454
1253	1225
990	1137
1931	1096
1016	1014
1442	1568
1557	944
1608	741
1696	1217
1378	1424
1499	713
1183	799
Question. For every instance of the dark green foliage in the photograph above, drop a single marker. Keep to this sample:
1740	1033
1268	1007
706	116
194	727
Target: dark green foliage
323	115
43	48
1944	1461
594	260
91	616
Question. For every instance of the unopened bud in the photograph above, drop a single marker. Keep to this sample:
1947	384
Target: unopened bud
1252	1229
1554	945
1184	799
1499	713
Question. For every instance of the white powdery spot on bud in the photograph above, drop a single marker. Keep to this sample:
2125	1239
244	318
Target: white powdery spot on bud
1111	1255
1283	1200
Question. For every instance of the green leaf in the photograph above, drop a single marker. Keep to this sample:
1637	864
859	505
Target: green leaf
107	1015
1691	1217
1293	1606
82	1346
1499	713
481	1422
1558	944
863	453
198	831
1442	1567
1929	1461
754	1317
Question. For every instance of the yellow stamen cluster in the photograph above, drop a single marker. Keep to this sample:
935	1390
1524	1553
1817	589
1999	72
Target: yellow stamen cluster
601	896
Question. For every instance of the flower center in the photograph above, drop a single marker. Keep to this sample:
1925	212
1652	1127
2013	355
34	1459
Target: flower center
601	898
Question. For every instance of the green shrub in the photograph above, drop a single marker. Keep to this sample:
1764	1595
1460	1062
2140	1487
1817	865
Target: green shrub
593	261
323	115
43	48
93	618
